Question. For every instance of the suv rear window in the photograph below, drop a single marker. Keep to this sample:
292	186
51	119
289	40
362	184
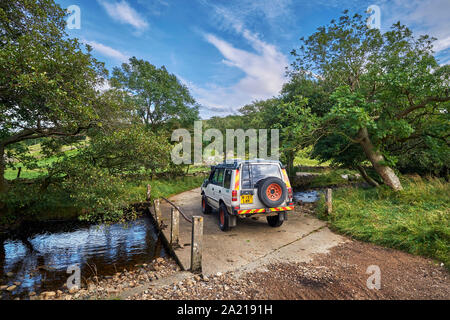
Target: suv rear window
253	173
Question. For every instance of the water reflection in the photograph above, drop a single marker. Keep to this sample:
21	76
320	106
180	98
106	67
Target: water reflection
307	196
40	260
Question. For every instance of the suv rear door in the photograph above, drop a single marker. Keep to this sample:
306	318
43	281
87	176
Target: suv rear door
251	174
226	190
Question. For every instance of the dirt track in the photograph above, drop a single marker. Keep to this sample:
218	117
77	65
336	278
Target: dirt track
339	274
301	260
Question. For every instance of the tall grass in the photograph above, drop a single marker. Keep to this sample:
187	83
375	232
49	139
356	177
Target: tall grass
416	220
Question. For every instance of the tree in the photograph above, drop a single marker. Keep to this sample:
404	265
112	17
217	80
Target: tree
47	87
128	150
159	97
293	119
387	89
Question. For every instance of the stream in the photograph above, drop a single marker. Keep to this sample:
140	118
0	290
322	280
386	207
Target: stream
37	260
307	196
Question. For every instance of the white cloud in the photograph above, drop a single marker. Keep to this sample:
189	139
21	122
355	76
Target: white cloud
124	13
423	16
274	13
264	75
263	66
107	51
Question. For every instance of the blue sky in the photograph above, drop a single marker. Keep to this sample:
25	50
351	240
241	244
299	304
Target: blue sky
231	52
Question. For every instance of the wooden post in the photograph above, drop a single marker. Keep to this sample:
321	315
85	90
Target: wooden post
329	200
157	212
175	227
149	191
196	244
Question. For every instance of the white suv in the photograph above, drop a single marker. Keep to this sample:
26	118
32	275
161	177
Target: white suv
246	188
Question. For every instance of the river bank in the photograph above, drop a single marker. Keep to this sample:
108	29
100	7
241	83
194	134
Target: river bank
37	260
136	191
338	274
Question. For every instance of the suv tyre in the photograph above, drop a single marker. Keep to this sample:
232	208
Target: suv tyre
274	221
224	218
206	209
272	191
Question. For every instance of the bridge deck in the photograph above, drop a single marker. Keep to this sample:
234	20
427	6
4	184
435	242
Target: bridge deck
252	243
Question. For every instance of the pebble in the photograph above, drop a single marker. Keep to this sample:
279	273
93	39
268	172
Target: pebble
11	288
73	289
3	287
9	274
48	294
17	283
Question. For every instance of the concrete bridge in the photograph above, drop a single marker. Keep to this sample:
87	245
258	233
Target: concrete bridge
252	243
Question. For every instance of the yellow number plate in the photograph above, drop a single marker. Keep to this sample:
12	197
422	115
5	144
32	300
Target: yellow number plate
248	198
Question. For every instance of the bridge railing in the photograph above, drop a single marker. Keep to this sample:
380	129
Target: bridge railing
174	241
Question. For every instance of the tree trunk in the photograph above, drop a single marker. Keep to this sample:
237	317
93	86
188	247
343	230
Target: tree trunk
290	163
2	169
366	177
376	158
3	185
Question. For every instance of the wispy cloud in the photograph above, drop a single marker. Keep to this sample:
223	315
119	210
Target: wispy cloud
107	51
263	65
272	13
124	13
423	16
264	72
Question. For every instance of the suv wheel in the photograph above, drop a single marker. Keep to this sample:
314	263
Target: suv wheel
206	209
224	218
272	191
274	221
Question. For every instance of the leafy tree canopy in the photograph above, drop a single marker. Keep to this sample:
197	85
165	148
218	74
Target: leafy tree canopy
387	91
158	96
48	84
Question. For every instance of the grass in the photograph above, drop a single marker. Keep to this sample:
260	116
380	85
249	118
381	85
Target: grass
327	177
302	159
162	187
416	220
35	151
332	177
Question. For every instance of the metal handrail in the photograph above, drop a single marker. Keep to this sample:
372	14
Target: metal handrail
179	210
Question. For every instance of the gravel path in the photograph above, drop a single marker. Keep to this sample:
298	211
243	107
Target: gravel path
340	274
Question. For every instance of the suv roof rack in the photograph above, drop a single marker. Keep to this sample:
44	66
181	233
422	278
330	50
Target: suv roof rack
235	163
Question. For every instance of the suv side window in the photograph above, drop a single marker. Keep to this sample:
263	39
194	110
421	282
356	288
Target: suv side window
218	177
227	180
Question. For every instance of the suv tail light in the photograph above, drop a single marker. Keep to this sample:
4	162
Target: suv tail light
290	194
234	195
